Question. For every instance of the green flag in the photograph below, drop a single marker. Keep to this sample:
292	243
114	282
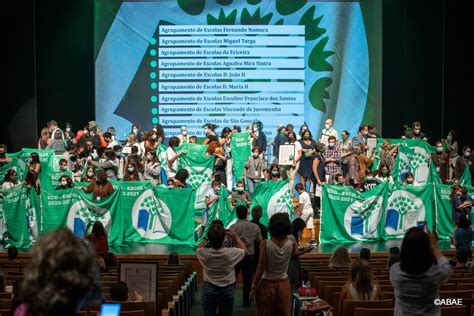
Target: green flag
161	153
348	216
20	207
403	162
433	176
226	213
407	205
200	168
241	150
274	197
465	179
14	164
444	211
50	180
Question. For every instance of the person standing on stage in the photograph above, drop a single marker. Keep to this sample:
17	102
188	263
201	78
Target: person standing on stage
329	130
441	160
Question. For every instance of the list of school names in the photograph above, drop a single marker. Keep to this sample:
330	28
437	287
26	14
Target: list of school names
230	74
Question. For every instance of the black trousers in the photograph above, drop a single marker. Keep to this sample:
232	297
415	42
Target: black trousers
247	268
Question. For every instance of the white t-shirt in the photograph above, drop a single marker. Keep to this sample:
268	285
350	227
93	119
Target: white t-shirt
218	264
173	168
306	201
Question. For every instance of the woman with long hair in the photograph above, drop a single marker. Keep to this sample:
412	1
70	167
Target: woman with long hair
33	163
11	179
361	285
340	258
45	139
32	181
152	167
417	278
98	237
306	156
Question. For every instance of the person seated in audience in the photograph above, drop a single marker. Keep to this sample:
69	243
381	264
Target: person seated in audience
4	159
119	293
361	285
340	258
250	235
271	285
60	276
11	179
180	179
173	258
132	172
394	258
3	283
100	187
98	237
463	238
416	279
219	270
383	174
110	260
65	182
365	254
100	264
12	252
240	196
88	175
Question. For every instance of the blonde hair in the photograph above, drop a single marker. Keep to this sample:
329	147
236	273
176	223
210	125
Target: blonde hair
340	258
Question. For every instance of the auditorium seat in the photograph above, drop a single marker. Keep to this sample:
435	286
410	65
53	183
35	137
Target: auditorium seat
132	313
362	311
329	292
5	303
453	310
448	287
388	295
465	286
350	305
456	294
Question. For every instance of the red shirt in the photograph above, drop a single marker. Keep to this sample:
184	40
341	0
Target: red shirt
101	244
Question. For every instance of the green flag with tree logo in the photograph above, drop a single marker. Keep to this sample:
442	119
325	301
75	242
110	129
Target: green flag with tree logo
274	197
241	150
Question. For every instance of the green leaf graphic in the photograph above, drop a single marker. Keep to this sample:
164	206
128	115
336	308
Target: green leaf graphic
247	19
224	2
253	2
318	93
222	19
312	29
317	58
192	7
285	7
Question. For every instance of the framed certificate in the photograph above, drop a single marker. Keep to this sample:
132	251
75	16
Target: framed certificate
141	277
286	155
324	139
371	144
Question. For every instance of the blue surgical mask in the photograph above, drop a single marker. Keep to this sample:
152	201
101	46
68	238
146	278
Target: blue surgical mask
439	149
240	189
255	155
331	145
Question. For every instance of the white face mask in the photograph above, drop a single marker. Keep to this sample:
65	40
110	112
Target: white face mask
327	126
184	133
149	157
68	129
135	131
255	129
64	183
154	137
90	174
131	170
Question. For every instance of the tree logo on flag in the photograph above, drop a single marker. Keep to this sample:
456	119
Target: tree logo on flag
404	210
280	202
151	217
80	214
200	180
362	217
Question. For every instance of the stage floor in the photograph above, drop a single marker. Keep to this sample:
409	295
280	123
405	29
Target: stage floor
158	249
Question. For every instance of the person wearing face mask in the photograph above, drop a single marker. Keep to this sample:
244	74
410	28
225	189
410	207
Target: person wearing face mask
441	160
33	163
11	179
361	137
100	187
372	131
152	168
258	136
303	128
137	131
274	173
69	133
280	138
95	137
225	141
369	183
388	153
111	143
132	142
364	161
120	161
290	171
415	132
339	179
452	147
88	175
305	211
63	165
333	158
172	156
212	196
345	146
83	136
384	174
462	205
306	157
151	141
329	130
253	169
462	162
160	133
209	133
183	137
410	179
4	159
109	165
58	142
65	183
240	195
132	173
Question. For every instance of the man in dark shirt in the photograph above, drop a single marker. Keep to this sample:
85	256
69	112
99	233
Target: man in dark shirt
441	160
416	132
256	215
369	183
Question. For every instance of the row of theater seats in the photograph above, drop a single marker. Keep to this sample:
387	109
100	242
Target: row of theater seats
177	287
329	283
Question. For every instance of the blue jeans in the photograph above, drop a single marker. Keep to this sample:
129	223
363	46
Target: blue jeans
217	299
